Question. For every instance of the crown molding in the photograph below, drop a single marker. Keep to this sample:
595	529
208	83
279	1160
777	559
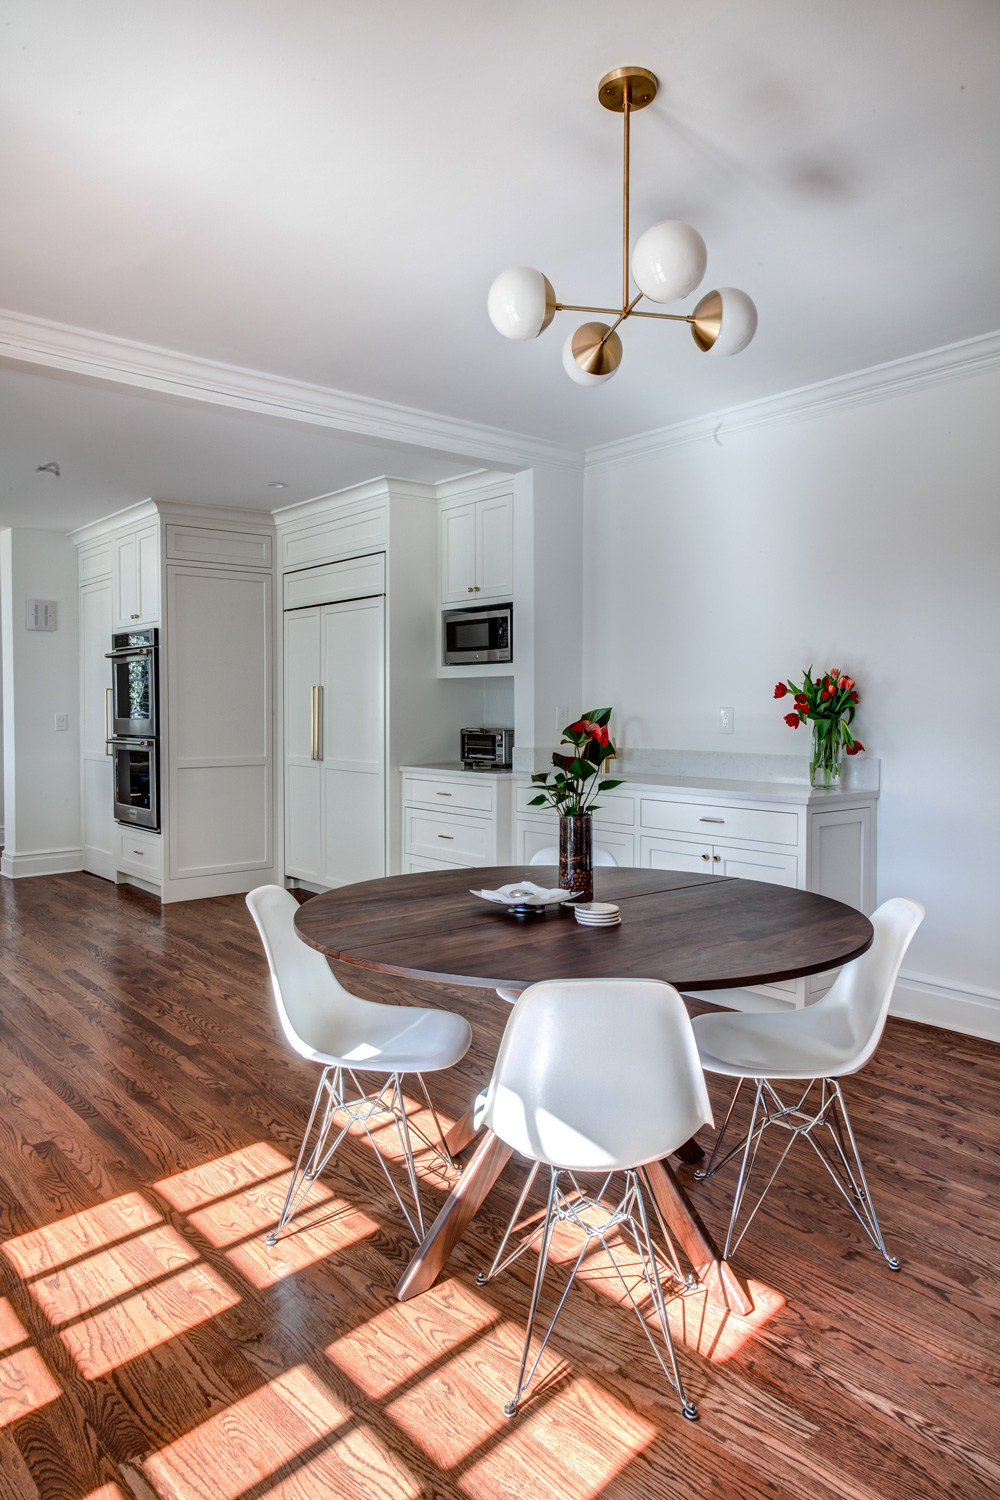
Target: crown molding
213	517
100	356
975	356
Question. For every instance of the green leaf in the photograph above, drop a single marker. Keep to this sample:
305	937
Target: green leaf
601	716
606	786
541	776
538	802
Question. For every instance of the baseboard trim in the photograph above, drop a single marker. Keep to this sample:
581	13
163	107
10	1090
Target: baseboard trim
41	862
969	1010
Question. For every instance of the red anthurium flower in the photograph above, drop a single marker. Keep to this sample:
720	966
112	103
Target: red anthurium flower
780	690
582	726
598	732
792	720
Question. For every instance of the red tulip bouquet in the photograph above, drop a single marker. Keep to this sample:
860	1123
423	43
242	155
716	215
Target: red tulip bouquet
829	702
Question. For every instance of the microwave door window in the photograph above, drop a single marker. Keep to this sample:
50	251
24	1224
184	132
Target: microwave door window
471	635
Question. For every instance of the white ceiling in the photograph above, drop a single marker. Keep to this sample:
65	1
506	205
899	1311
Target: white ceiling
325	190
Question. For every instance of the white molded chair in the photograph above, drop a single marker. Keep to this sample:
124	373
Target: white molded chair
346	1035
551	857
822	1043
596	1075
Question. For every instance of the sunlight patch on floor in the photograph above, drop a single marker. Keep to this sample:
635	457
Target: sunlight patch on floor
242	1447
106	1492
12	1332
107	1275
64	1240
222	1176
393	1346
134	1325
25	1385
572	1440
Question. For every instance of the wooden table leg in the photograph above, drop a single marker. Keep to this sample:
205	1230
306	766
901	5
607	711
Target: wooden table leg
460	1207
685	1224
465	1130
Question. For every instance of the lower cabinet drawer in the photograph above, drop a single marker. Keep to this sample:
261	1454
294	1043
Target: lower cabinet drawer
412	865
464	795
760	824
140	853
459	840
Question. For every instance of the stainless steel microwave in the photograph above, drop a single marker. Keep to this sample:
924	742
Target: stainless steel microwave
483	634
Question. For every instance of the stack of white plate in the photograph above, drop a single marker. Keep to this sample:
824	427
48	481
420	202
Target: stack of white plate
597	914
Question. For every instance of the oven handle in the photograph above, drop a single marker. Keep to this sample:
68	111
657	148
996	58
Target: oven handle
108	694
132	651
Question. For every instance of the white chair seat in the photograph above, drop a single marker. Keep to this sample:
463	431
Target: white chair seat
388	1038
809	1043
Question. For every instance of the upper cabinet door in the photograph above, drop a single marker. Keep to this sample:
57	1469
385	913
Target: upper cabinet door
126	580
137	578
148	583
459	531
495	548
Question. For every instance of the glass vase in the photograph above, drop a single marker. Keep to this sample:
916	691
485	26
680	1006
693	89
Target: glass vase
827	752
576	854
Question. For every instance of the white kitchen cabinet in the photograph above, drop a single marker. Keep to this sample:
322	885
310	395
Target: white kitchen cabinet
335	740
454	818
204	578
716	859
136	564
477	550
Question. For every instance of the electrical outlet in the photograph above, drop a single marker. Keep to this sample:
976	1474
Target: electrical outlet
725	721
62	721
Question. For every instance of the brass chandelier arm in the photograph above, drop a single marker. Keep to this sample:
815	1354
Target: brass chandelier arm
579	307
670	317
627	114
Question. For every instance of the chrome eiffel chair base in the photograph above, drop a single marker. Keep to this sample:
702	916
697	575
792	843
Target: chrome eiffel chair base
595	1220
826	1125
329	1103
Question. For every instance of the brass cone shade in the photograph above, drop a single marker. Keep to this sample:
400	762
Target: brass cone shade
596	349
706	320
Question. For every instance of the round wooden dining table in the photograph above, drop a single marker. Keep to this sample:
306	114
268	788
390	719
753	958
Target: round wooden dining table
697	932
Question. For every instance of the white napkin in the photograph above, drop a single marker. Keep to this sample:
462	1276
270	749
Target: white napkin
525	893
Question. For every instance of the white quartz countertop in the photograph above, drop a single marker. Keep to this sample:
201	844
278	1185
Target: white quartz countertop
704	786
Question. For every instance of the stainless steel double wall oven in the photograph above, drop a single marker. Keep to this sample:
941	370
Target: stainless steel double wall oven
133	732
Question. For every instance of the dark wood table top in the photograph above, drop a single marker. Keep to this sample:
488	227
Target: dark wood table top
698	932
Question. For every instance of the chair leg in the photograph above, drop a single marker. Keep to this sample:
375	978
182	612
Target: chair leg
543	1256
310	1163
707	1171
855	1191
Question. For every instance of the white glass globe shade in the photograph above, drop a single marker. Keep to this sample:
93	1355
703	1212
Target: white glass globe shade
521	303
669	261
739	322
573	370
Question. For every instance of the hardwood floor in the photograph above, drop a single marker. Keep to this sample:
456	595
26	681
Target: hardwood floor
151	1346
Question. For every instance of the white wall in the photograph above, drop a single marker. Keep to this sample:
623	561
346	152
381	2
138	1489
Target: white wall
866	538
41	677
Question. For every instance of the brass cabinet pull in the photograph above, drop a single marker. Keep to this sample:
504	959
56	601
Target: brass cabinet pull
716	857
476	589
711	820
706	857
442	794
449	836
107	722
470	591
138	851
316	723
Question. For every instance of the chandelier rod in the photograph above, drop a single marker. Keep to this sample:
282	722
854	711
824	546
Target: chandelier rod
627	113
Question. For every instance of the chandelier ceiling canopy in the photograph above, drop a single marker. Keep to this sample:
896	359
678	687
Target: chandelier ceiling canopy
667	263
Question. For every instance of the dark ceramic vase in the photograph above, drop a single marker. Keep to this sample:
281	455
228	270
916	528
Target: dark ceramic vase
576	854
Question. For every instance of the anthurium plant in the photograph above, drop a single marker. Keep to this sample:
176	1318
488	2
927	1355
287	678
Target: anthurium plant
828	700
577	780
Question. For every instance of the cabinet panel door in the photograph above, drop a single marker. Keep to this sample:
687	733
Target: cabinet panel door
840	859
495	547
303	774
458	555
676	854
126	578
751	864
353	647
95	685
148	581
531	838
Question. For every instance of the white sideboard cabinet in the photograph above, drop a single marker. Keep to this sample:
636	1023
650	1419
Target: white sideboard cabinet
782	832
203	576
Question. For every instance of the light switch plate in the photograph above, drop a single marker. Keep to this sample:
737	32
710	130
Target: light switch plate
62	721
41	614
725	721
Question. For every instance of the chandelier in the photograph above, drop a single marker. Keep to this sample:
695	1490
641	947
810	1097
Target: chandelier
667	263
